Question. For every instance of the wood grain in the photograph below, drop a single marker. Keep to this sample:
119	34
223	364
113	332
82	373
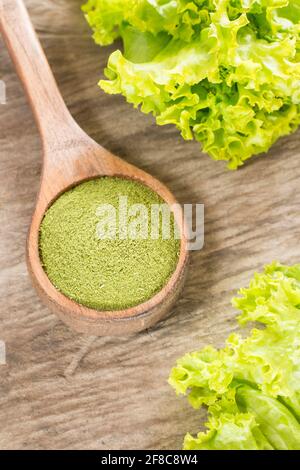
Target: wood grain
60	390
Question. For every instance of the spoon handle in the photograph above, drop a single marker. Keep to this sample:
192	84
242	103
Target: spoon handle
53	118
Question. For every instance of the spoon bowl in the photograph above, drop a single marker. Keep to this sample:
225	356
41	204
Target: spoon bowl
70	157
89	161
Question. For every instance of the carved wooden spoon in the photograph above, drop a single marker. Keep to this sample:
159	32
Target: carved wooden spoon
71	156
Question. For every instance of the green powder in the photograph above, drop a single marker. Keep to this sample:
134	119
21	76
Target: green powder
105	274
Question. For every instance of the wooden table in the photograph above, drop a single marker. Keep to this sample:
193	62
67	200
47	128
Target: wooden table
60	390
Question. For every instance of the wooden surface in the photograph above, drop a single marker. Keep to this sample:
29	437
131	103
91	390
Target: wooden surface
60	390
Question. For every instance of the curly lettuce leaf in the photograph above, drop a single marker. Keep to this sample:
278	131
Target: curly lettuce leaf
275	421
178	18
228	432
257	376
224	72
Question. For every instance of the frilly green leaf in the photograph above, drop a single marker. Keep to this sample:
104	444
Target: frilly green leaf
224	72
253	379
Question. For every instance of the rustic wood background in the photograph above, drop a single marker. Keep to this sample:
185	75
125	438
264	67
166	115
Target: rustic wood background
60	390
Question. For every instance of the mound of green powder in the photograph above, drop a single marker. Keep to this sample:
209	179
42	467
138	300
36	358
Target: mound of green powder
104	274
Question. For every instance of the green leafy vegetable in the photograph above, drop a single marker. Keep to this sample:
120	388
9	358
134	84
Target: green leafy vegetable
251	387
225	72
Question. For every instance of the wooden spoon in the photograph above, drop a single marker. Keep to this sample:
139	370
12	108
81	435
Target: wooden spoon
70	157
